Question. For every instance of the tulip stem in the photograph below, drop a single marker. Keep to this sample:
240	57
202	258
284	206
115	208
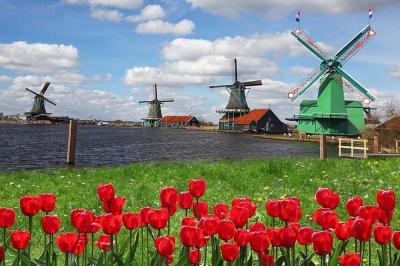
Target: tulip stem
369	252
18	256
85	251
306	250
30	231
142	241
66	258
355	246
205	255
112	249
293	254
92	256
390	253
147	245
287	256
130	247
4	246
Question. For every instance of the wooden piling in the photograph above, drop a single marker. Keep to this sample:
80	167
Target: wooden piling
71	142
377	145
323	153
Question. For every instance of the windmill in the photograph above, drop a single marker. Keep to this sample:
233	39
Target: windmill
154	114
237	105
331	114
38	111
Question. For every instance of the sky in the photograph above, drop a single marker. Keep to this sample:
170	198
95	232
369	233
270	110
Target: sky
103	56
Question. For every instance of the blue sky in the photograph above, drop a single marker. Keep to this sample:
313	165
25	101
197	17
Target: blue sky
103	55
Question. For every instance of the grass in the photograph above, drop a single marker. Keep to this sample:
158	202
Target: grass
257	179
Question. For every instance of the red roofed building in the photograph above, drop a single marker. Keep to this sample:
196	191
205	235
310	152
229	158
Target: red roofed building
179	121
260	120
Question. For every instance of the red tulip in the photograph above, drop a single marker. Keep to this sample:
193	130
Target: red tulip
197	187
82	220
327	198
47	202
165	245
209	225
79	248
322	242
385	216
245	203
274	236
67	242
328	219
350	259
200	209
185	200
239	215
287	237
20	239
189	221
386	199
95	227
144	214
271	207
104	243
361	229
289	210
267	260
7	217
369	212
51	224
304	235
259	241
111	223
106	192
353	205
226	230
114	205
191	236
30	205
343	231
382	234
158	219
194	256
221	210
229	251
257	226
396	239
168	197
242	237
131	220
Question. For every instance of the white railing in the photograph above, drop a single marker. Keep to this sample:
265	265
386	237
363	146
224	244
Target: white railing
358	148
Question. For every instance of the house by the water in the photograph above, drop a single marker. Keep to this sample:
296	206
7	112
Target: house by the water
179	121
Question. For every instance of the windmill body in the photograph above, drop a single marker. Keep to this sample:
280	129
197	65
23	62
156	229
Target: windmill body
237	104
38	110
331	114
154	115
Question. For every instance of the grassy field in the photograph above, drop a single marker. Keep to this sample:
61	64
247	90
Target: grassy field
257	179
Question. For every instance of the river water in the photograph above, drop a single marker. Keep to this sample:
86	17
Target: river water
44	146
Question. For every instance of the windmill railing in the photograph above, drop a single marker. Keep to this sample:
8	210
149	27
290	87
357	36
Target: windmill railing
320	116
353	148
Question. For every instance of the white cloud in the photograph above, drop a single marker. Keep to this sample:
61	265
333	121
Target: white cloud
5	78
158	26
276	8
121	4
299	70
149	12
38	57
394	73
106	14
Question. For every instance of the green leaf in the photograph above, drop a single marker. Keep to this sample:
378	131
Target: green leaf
154	259
280	261
118	259
54	259
250	261
182	261
334	261
380	258
100	259
133	249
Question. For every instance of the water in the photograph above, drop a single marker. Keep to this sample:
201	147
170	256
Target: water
44	146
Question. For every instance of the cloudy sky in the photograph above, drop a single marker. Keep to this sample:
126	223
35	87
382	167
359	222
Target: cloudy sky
102	56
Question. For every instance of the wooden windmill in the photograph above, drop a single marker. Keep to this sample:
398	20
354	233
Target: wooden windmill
154	115
237	104
38	110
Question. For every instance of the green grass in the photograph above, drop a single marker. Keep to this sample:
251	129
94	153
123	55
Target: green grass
257	179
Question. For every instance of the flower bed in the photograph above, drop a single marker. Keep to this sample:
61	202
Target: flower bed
213	236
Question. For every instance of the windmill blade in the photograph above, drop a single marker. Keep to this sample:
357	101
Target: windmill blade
350	88
305	85
252	83
37	94
306	40
366	31
48	100
220	86
168	100
145	101
45	87
355	83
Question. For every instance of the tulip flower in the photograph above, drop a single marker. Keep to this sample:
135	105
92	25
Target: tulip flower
322	242
194	256
327	198
131	220
304	236
385	217
382	234
144	214
209	225
361	229
197	187
106	192
369	212
287	237
30	205
221	210
289	210
239	215
242	237
103	243
245	203
257	226
353	205
66	242
266	260
165	245
396	239
185	200
274	236
229	251
350	259
51	224
19	239
82	220
271	207
114	205
158	219
7	217
343	231
47	202
386	200
226	230
189	220
259	241
200	209
168	197
191	236
111	224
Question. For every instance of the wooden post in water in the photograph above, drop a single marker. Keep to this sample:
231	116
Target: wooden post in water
323	153
377	148
71	142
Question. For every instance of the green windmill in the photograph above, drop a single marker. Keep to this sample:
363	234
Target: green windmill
331	114
154	115
38	110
